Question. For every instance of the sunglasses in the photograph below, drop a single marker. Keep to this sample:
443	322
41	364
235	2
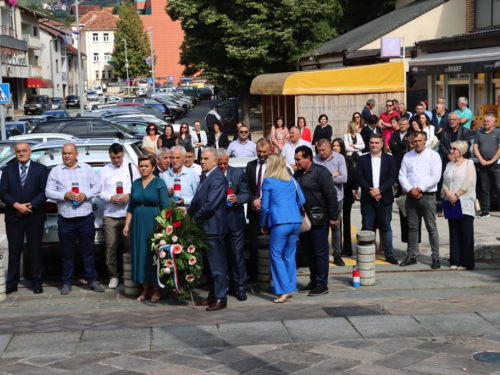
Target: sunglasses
388	105
151	129
243	131
453	148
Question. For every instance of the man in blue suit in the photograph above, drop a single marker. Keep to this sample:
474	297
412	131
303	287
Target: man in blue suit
209	206
236	223
22	189
376	173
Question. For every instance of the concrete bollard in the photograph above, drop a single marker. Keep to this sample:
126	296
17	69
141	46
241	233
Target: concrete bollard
3	296
264	268
131	287
365	257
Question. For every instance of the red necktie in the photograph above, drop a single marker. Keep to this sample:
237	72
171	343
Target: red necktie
259	182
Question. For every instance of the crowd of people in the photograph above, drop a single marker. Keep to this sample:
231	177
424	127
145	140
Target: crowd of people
396	156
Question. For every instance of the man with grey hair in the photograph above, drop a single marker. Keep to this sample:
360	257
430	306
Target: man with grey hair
464	113
487	151
187	177
209	208
367	111
236	223
403	112
162	161
439	119
289	148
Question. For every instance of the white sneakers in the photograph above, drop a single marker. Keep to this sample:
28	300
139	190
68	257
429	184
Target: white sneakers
113	283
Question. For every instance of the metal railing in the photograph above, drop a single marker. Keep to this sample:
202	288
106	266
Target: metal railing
6	30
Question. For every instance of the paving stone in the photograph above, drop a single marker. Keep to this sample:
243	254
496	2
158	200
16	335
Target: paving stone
492	316
285	367
313	330
459	362
370	369
42	343
440	347
119	340
203	352
177	370
294	356
81	361
44	360
4	340
432	369
304	347
354	344
151	354
96	369
126	372
231	355
175	337
393	345
254	333
346	353
330	367
493	337
261	372
455	324
132	363
189	361
388	326
27	369
243	366
403	359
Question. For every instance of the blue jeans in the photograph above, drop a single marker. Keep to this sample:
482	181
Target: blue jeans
382	215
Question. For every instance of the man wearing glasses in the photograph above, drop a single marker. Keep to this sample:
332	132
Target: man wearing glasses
242	147
385	117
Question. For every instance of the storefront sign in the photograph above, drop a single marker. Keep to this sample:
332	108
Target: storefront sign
455	68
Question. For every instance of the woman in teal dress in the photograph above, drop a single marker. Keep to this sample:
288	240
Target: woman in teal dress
148	197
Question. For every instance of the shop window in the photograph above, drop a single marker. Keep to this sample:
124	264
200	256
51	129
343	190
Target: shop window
487	13
479	76
459	76
496	75
441	77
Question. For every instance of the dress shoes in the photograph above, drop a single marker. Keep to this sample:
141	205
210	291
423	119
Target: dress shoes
307	288
241	295
37	289
436	264
217	305
231	291
392	260
11	289
338	261
205	302
408	262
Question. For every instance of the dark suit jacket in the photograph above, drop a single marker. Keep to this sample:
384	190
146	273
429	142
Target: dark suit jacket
250	173
388	176
366	133
399	146
236	212
33	191
209	203
223	140
444	121
445	142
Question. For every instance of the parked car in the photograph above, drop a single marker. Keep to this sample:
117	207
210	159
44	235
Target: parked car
92	95
176	111
72	101
17	128
37	104
149	118
34	120
60	113
140	92
58	103
87	127
159	110
98	89
42	137
103	102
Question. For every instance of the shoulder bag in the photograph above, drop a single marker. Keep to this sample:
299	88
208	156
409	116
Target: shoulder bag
305	226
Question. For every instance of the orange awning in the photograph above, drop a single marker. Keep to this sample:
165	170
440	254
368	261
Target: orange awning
37	83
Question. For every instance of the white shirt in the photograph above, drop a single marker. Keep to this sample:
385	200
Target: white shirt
401	135
197	168
109	175
376	160
288	150
263	173
420	170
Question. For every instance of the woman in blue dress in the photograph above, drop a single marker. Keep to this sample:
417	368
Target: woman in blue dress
279	212
148	197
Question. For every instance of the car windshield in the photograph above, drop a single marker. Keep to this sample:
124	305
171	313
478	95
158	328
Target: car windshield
56	100
72	97
123	128
36	99
6	150
91	92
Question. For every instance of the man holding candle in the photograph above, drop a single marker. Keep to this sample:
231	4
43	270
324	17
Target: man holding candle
75	221
116	180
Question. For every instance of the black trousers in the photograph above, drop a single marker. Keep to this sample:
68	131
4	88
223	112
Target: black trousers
255	233
15	236
462	241
346	222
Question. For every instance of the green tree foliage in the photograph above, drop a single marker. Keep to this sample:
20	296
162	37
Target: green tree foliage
359	12
131	28
234	41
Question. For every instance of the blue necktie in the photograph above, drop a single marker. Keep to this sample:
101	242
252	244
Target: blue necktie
23	174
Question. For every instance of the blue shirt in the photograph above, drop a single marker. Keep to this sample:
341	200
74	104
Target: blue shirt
288	150
27	169
336	163
365	113
189	182
466	112
242	150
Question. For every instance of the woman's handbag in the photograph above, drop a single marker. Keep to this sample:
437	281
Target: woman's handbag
305	226
452	211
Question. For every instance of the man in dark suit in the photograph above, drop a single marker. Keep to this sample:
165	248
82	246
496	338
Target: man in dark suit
399	141
22	189
162	161
367	131
209	206
254	175
440	119
236	223
375	174
451	133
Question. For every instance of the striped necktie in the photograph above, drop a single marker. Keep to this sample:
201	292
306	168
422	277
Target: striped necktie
23	174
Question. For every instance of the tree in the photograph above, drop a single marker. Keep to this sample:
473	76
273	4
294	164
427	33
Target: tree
234	41
358	12
131	28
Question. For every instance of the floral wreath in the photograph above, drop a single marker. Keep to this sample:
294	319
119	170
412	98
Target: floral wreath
178	244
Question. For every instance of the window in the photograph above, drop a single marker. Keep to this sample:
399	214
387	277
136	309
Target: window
55	45
95	37
37	60
487	13
107	56
103	130
57	66
96	74
96	56
106	37
76	66
110	74
103	75
78	129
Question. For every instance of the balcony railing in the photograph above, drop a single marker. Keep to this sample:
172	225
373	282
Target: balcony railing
64	76
35	71
33	41
6	30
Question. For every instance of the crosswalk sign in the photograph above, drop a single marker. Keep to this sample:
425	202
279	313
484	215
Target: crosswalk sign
150	81
4	93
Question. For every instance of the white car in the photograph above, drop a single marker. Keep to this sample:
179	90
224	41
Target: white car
108	101
43	137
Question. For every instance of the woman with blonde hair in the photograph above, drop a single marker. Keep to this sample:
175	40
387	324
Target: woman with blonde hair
282	217
353	140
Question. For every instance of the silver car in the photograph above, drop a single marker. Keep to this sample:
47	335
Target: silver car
92	95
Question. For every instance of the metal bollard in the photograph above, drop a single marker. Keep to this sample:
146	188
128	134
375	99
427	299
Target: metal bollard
264	268
365	257
131	287
3	296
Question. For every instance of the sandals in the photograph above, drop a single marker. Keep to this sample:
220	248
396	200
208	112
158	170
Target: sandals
283	298
156	294
146	292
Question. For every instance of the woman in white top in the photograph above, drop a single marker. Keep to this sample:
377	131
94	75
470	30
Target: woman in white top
425	124
353	140
459	185
150	141
199	140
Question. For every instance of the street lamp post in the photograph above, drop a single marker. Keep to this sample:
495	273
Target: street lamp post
52	65
126	66
80	78
152	59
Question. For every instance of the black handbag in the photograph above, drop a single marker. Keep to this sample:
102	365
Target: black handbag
317	215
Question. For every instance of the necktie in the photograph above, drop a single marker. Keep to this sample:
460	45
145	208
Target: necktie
259	181
23	174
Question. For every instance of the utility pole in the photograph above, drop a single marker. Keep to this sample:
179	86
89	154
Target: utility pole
126	66
80	77
152	59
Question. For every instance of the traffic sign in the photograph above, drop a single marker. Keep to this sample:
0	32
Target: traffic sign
4	93
170	78
127	80
150	81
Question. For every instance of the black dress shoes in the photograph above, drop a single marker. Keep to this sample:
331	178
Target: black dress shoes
205	302
436	264
11	289
241	295
37	289
392	260
338	261
217	305
408	262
